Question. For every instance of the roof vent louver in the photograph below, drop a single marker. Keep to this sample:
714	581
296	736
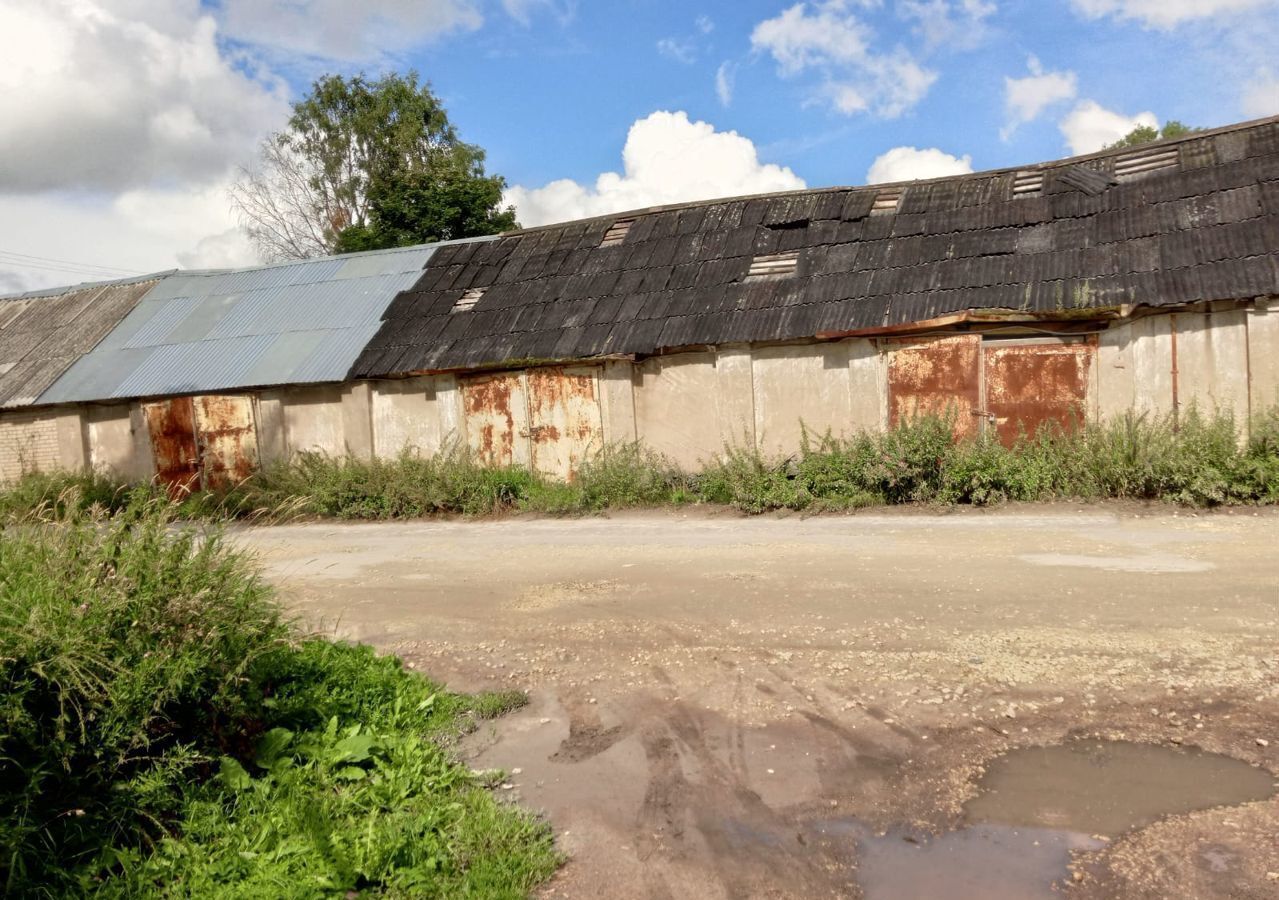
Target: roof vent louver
1027	183
467	301
774	265
617	232
1142	162
886	201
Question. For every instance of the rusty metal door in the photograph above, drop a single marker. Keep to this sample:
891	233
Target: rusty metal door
1030	383
565	420
936	376
495	409
227	438
171	427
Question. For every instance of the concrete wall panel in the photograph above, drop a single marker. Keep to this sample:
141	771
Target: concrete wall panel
1263	358
118	441
867	385
735	396
406	418
675	410
801	388
1212	362
1134	368
617	402
313	420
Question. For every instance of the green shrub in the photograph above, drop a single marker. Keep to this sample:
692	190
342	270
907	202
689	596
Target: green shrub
163	731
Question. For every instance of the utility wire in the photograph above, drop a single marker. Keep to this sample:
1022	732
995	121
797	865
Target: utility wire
28	259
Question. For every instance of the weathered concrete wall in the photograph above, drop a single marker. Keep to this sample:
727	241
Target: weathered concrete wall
1134	368
406	417
313	419
617	402
118	441
801	388
676	412
1263	358
1212	361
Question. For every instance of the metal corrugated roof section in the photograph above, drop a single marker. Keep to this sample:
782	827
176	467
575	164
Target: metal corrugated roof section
292	323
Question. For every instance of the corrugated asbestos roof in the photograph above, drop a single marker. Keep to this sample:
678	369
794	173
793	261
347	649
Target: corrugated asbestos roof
1165	224
291	323
43	333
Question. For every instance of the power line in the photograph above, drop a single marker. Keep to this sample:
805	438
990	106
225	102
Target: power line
29	259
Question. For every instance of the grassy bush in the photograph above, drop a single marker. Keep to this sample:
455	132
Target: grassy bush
164	732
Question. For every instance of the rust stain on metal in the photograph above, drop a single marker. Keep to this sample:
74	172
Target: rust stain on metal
565	418
171	427
488	403
935	376
1031	385
227	439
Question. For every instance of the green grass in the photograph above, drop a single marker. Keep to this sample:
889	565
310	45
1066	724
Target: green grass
165	732
1196	461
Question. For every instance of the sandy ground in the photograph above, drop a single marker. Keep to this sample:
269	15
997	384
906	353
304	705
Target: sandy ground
715	697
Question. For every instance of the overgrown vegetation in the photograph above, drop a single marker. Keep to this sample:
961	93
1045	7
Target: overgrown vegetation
1196	461
164	732
1199	462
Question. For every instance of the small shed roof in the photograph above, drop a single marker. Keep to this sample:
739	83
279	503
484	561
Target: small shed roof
288	323
1165	224
43	333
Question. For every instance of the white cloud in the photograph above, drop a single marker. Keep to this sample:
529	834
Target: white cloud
956	24
1025	98
911	164
109	94
1261	97
828	39
1165	13
353	32
725	76
1090	126
705	24
679	50
667	159
522	10
141	230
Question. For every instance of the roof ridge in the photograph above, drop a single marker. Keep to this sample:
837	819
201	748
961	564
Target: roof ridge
890	185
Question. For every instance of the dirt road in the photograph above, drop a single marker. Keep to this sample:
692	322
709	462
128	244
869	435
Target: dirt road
787	707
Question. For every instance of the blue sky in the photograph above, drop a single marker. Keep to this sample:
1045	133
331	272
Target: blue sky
124	122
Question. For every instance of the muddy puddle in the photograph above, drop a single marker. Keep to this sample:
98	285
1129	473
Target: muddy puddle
1038	805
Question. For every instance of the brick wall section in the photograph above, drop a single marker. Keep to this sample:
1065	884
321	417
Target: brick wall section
28	441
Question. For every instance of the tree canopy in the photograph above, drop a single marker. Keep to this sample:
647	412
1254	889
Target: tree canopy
1145	134
366	164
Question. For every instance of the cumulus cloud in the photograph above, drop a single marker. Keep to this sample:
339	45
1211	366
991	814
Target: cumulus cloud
667	159
141	230
352	32
724	78
829	40
1261	96
1025	98
957	24
1165	13
110	94
1089	127
912	164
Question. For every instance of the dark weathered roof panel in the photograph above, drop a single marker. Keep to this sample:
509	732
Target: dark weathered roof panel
1167	224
